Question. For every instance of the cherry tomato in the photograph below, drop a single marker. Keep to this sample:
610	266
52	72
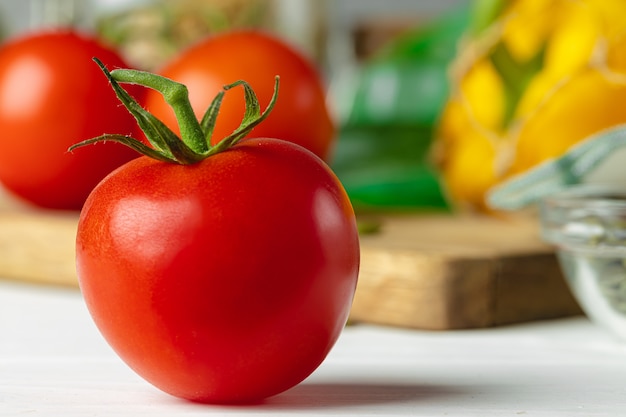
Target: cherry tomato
224	281
51	96
300	116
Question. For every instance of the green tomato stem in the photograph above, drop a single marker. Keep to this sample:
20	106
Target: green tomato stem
177	96
195	144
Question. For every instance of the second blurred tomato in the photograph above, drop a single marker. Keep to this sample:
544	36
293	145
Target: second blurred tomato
301	114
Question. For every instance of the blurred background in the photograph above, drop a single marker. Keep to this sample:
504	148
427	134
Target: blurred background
313	25
436	101
342	37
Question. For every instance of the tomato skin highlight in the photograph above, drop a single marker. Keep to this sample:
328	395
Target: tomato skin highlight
52	96
226	281
300	116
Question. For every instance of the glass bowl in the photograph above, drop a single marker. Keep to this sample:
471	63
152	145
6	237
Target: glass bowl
587	225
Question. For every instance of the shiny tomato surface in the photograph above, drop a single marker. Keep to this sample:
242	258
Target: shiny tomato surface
301	114
52	95
226	281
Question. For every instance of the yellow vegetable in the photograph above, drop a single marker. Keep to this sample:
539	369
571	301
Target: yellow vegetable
540	78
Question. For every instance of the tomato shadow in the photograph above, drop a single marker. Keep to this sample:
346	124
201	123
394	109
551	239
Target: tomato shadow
337	395
349	394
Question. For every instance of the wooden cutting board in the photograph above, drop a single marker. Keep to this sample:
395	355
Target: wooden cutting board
419	271
36	245
457	272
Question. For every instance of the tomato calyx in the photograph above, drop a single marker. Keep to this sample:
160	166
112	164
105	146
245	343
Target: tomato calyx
194	143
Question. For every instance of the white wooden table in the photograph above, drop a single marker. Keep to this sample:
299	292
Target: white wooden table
53	362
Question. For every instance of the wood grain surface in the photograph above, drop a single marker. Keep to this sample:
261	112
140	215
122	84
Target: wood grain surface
419	271
456	272
36	245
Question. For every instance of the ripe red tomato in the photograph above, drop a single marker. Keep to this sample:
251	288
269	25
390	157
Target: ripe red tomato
224	281
300	116
51	96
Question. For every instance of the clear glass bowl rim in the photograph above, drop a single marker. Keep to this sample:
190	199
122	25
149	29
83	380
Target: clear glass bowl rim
589	196
588	217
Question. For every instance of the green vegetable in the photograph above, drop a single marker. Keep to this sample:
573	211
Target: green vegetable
382	155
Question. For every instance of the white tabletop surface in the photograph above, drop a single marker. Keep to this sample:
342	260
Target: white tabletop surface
53	362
